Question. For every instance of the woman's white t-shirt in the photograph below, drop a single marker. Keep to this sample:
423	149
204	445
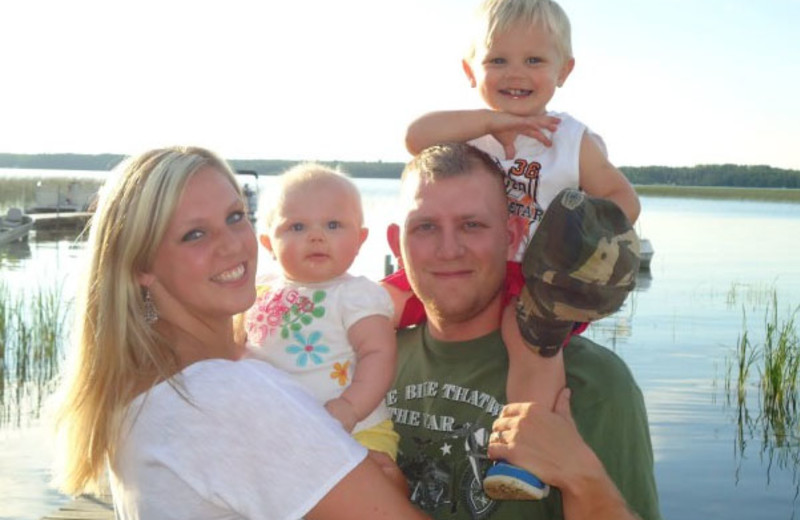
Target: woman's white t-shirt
243	441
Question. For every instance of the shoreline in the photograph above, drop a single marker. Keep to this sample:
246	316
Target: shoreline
719	192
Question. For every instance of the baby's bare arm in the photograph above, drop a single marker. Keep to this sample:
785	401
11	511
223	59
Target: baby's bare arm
373	339
465	125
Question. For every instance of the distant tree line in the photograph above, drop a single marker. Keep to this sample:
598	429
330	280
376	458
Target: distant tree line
728	175
105	162
60	161
380	170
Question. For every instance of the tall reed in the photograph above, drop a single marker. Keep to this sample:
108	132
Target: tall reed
777	358
781	362
32	329
745	357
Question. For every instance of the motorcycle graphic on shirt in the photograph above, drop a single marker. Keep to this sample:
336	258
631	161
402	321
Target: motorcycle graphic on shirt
432	480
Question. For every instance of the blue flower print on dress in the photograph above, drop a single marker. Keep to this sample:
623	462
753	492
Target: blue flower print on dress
305	348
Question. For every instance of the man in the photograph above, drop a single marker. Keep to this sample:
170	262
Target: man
451	381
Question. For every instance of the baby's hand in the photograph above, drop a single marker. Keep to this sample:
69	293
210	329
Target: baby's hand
343	412
506	127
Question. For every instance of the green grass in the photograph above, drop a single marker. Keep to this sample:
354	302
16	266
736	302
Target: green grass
777	359
779	370
716	192
745	357
768	368
32	328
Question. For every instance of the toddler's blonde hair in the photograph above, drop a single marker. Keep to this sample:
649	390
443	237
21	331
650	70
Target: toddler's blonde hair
496	16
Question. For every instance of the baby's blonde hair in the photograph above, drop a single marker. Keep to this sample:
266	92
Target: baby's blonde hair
294	179
496	16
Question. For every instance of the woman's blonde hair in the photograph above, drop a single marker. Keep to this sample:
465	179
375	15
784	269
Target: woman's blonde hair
116	353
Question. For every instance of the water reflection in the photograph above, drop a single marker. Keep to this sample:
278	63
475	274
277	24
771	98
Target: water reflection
775	438
761	386
643	280
14	252
618	328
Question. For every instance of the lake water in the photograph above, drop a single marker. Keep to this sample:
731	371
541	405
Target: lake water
716	264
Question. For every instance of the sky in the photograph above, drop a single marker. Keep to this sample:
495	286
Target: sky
676	83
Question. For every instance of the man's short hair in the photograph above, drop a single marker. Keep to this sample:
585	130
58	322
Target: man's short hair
446	160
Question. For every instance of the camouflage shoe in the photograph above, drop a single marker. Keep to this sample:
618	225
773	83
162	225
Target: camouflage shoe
579	266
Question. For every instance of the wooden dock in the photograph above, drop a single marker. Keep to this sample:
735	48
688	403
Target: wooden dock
85	507
60	221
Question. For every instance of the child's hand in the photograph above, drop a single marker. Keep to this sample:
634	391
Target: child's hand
343	412
506	127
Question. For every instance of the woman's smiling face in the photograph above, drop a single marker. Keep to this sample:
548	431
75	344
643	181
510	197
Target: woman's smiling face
206	262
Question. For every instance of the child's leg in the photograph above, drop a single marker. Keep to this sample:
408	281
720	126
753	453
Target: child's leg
390	469
531	376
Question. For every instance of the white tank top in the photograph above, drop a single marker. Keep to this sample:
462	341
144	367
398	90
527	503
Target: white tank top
538	173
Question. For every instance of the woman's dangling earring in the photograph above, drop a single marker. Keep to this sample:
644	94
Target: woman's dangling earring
150	311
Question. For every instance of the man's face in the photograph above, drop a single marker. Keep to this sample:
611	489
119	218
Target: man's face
454	245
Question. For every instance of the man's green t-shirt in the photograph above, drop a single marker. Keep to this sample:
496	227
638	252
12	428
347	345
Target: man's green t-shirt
447	395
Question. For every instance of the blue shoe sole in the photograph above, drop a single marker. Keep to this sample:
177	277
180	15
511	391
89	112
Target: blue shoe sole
506	482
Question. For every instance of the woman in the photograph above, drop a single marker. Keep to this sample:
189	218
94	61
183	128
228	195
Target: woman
156	389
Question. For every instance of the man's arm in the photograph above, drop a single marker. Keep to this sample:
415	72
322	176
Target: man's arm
465	125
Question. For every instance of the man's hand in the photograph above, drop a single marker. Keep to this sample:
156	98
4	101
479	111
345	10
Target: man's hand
546	443
549	445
